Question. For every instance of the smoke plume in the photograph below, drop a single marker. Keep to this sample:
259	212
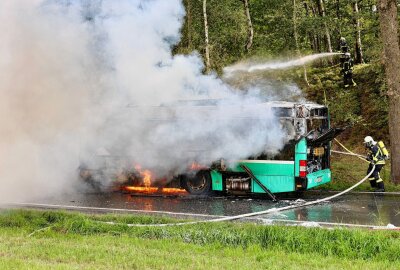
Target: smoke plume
80	80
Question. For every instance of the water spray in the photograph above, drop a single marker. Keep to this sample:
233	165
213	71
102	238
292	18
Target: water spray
276	65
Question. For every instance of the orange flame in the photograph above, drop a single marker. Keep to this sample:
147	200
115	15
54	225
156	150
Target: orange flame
146	174
196	166
147	188
146	178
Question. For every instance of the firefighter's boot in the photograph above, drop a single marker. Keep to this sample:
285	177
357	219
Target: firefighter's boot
381	187
373	183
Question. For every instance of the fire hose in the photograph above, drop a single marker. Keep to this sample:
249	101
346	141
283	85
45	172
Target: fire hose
264	212
349	154
268	211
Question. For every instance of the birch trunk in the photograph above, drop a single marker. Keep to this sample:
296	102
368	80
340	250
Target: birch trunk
359	55
296	40
311	35
327	34
317	40
189	24
207	46
249	25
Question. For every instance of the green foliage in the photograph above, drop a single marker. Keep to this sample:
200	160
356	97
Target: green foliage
272	22
227	31
273	28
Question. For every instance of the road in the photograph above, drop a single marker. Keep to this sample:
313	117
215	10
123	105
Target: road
354	208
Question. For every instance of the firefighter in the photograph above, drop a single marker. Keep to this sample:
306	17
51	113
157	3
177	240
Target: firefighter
347	70
344	48
376	157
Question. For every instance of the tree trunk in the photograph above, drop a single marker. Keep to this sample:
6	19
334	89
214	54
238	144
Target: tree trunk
249	25
339	17
207	46
317	40
321	9
359	55
311	35
296	40
391	59
189	23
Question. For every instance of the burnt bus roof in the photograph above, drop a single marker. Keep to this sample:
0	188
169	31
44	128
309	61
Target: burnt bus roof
215	102
282	109
288	104
286	109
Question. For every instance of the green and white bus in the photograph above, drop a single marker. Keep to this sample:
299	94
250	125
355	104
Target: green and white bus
302	164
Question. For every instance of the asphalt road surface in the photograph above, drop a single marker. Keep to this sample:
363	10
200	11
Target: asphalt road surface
354	208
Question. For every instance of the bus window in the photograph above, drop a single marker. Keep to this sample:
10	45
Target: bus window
315	127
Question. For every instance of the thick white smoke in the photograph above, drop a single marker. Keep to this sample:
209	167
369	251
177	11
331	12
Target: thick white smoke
79	76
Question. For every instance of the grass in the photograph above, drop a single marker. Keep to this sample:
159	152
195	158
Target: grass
78	241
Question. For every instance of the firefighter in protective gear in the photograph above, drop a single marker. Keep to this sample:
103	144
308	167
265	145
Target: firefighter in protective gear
343	48
347	70
377	158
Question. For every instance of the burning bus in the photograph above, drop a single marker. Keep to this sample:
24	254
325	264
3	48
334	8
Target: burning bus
303	163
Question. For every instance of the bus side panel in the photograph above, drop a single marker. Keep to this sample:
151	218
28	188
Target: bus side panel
277	176
274	183
318	178
300	154
216	180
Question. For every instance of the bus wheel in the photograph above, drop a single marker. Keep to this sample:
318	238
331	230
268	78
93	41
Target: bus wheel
199	184
91	179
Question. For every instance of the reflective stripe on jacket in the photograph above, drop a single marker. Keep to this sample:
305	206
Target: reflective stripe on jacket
375	155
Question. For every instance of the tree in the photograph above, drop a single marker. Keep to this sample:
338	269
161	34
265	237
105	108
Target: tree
207	45
391	58
321	10
296	40
311	33
338	16
358	55
250	30
189	23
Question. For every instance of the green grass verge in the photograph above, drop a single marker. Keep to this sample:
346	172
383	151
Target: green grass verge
76	241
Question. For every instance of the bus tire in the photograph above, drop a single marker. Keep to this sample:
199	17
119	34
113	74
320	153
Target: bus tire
199	184
91	180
